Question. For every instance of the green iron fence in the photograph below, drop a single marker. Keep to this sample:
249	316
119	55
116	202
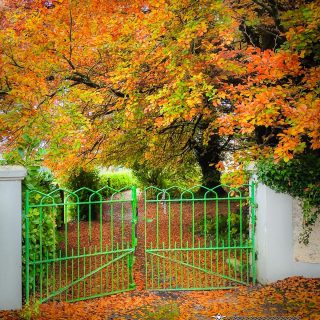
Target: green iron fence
80	244
197	239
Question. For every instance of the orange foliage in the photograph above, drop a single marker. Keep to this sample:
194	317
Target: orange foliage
105	80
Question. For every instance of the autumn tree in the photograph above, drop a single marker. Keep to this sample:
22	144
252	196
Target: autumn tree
277	100
156	84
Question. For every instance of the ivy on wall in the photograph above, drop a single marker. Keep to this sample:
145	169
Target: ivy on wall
299	177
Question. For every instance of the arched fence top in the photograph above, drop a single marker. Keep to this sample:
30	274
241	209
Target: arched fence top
61	196
198	192
65	196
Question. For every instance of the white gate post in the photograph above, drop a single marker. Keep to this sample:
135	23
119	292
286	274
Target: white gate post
275	238
10	237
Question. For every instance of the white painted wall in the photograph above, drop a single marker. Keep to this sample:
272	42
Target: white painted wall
276	239
10	237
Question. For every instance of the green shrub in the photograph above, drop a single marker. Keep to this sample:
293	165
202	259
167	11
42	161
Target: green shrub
223	227
40	180
299	177
150	176
30	311
29	154
80	178
186	175
117	180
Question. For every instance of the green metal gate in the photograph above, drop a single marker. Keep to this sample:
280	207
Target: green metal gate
196	239
79	245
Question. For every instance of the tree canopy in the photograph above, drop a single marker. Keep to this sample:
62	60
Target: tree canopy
161	83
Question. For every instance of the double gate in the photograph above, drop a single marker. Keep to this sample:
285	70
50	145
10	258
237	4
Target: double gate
80	245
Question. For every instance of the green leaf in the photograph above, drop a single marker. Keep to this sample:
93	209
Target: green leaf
21	152
26	138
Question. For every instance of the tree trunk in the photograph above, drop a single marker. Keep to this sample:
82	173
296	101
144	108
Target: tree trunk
208	156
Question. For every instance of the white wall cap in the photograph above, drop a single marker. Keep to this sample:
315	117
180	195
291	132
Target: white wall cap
12	173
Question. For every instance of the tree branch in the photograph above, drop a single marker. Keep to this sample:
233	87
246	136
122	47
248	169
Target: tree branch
70	33
272	10
14	61
80	78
